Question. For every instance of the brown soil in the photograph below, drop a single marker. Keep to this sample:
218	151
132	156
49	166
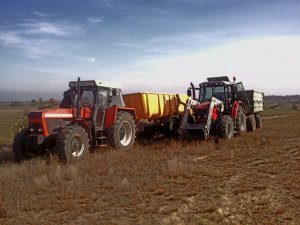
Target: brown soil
251	179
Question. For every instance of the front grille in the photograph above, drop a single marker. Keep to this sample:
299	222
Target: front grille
53	124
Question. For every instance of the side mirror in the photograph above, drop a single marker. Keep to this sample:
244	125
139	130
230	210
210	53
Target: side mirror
189	92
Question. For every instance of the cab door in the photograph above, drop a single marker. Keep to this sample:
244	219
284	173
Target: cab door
100	106
240	95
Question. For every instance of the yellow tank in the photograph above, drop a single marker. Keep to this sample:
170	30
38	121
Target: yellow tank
154	105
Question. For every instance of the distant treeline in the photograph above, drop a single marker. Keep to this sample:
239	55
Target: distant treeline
282	97
279	101
271	101
40	103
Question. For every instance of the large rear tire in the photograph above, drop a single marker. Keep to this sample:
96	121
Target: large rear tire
122	134
19	149
258	120
227	127
251	124
241	121
72	143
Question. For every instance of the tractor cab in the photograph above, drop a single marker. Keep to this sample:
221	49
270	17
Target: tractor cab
96	100
224	90
97	93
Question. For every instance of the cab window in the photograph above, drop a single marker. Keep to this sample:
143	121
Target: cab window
206	93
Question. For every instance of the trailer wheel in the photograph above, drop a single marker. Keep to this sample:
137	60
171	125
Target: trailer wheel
258	120
251	124
19	150
122	134
72	143
241	121
227	127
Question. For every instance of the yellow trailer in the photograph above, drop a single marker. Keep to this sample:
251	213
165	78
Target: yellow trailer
154	106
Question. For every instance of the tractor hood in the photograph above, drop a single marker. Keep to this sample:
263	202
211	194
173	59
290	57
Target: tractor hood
203	106
43	122
52	113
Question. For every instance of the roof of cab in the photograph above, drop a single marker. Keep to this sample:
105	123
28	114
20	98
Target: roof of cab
98	83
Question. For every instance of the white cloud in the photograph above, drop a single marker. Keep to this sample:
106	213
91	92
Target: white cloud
10	38
92	59
94	20
41	14
50	28
29	47
270	64
38	38
44	28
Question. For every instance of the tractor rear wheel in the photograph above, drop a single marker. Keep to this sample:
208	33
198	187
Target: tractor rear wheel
227	127
241	121
251	124
72	143
122	134
19	150
258	120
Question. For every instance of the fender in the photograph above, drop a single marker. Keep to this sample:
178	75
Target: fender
111	114
234	110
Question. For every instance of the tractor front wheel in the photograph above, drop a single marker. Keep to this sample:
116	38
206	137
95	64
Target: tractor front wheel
227	127
122	133
72	143
19	150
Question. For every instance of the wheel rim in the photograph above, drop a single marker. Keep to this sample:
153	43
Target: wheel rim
230	133
77	145
243	123
125	133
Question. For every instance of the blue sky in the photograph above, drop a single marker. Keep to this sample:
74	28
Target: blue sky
147	45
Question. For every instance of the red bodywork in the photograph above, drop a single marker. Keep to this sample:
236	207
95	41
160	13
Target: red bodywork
111	113
203	106
39	118
234	109
214	115
203	110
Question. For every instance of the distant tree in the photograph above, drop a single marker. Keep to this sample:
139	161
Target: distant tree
294	107
17	127
33	102
40	100
16	104
53	101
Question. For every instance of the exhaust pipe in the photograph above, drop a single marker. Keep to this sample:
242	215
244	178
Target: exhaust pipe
78	101
193	88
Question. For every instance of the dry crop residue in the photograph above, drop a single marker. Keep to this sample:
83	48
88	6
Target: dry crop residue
251	179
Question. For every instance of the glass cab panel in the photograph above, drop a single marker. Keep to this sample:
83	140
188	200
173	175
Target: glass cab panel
207	92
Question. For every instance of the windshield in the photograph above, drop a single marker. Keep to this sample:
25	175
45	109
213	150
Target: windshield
206	93
87	97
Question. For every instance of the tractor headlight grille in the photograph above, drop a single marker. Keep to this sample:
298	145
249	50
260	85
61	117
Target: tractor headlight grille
36	128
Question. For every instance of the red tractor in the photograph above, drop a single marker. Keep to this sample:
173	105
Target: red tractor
92	113
221	108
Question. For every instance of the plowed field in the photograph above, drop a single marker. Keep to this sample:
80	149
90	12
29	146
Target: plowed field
251	179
